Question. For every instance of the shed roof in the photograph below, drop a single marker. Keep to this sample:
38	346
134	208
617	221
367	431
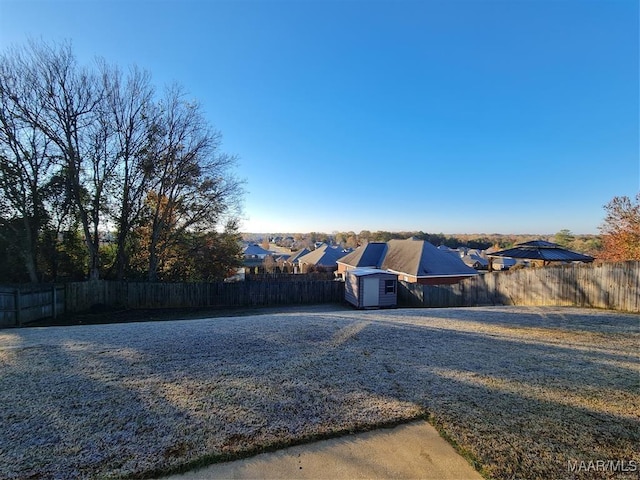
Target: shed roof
363	272
542	250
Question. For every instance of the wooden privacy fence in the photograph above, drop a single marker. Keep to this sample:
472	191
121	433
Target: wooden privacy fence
83	295
21	306
606	285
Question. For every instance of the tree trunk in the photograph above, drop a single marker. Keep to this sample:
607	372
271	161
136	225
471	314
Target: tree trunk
153	266
29	250
154	259
122	258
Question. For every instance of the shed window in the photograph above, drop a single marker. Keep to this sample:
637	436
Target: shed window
389	286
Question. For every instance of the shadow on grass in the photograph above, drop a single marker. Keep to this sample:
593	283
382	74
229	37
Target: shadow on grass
101	315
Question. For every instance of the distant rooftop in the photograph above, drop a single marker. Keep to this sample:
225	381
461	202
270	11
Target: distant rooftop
254	249
323	256
542	250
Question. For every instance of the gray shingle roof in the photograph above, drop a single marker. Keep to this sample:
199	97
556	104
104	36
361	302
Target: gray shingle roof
254	249
323	256
473	259
421	259
295	256
369	255
412	257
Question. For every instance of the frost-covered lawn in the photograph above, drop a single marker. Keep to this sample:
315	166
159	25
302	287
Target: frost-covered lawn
523	391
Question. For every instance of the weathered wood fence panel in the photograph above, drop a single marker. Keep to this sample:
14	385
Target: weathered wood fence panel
605	285
7	307
21	306
83	295
24	304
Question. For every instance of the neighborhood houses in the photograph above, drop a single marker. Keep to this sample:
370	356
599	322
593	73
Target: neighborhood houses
411	260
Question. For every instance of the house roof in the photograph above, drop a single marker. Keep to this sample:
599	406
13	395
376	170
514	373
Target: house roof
413	257
294	256
254	249
472	259
369	255
323	256
504	261
420	258
542	250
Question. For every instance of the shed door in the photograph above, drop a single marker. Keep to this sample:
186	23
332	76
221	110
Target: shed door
371	291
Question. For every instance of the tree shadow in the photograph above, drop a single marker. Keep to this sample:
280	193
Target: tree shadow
69	412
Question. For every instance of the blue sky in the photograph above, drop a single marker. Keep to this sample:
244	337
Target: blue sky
440	116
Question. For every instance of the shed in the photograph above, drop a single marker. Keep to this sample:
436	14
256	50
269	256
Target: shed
371	288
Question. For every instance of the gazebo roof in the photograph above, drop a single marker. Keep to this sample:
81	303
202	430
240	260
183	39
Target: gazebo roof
541	250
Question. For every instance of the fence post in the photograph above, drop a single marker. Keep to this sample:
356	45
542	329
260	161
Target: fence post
65	306
16	301
54	301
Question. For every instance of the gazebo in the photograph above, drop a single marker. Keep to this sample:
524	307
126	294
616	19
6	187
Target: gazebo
539	250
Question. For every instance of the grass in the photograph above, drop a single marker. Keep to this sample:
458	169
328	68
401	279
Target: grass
520	392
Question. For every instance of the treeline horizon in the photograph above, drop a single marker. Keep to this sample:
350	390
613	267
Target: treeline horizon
589	244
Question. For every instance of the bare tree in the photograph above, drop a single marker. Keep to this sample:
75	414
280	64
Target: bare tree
26	163
269	264
128	106
191	188
95	145
68	100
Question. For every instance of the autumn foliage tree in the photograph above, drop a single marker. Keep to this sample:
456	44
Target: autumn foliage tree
621	229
